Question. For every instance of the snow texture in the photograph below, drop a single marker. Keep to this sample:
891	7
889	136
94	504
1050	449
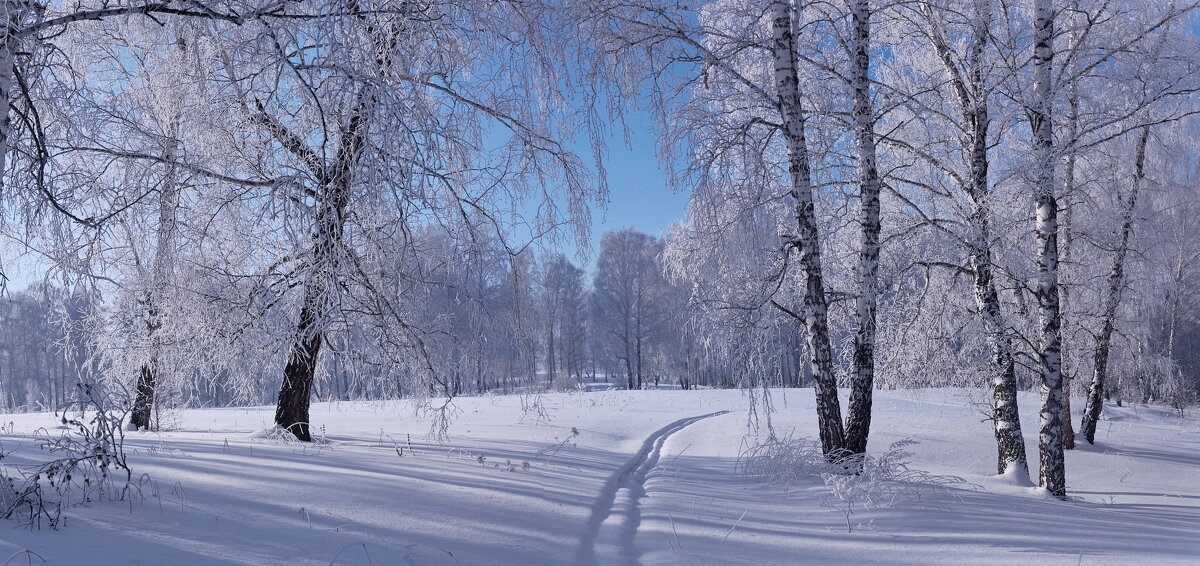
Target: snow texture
651	478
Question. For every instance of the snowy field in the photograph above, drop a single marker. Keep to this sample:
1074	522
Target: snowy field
649	479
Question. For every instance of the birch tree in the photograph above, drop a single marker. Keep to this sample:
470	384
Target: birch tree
858	420
1160	87
1039	107
748	133
805	240
1112	297
971	90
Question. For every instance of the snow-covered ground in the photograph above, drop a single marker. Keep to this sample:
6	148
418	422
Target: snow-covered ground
650	479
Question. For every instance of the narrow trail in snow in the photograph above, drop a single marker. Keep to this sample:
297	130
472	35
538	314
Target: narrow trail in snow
616	514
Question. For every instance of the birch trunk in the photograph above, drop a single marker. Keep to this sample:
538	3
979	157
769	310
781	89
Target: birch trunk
858	422
972	96
1006	420
1112	300
1052	474
10	23
1010	441
805	241
1064	291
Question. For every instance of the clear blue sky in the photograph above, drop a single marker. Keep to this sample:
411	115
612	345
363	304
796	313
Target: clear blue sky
638	192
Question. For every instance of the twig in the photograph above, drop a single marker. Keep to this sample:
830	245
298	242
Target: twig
735	524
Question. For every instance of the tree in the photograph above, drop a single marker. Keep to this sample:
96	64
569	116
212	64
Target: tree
629	302
1039	107
564	310
971	87
1158	86
858	420
806	240
1116	283
393	113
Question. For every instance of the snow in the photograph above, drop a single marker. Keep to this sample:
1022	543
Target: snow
649	479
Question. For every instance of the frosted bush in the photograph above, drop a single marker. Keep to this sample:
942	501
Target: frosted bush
784	462
887	480
861	481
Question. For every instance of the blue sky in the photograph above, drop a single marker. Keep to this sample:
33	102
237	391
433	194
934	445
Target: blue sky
638	197
638	192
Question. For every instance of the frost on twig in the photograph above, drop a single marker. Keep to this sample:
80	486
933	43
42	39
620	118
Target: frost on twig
87	464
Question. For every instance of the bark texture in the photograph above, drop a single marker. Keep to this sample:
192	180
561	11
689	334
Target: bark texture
972	96
858	421
806	241
1067	234
291	411
1112	299
10	23
1052	474
164	266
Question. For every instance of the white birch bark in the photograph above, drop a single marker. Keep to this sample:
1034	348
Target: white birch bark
806	240
1052	473
1112	298
971	95
10	22
1064	290
858	421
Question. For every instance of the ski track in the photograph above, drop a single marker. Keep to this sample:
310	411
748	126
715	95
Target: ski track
632	479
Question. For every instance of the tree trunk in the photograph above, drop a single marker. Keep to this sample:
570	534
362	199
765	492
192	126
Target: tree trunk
143	403
971	93
550	356
291	412
8	78
1116	282
639	355
805	241
1053	468
858	421
1006	419
1064	291
164	264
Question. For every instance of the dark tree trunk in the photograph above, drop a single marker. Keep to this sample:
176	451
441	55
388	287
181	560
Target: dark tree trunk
291	412
335	178
143	404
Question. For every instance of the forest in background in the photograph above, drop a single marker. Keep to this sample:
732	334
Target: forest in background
628	325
